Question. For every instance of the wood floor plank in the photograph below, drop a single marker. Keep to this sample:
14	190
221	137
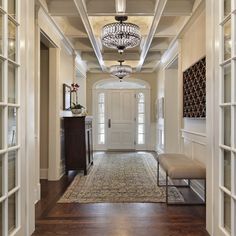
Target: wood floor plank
108	219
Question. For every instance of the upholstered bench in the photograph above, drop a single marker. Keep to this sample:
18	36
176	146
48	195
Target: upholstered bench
179	166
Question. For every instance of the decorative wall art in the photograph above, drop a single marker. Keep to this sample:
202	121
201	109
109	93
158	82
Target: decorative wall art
194	90
66	97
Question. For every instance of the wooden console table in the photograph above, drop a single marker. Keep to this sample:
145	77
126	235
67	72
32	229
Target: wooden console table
78	143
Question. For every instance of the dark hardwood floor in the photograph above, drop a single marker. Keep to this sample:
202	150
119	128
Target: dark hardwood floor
129	219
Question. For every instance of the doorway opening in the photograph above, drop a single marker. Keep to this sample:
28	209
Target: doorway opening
47	70
121	112
44	109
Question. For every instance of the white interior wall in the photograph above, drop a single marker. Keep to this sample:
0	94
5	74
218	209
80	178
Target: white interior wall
171	111
82	90
192	134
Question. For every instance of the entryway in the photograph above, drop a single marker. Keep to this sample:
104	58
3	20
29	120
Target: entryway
121	112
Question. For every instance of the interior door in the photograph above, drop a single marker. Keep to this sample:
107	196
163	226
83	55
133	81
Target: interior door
10	116
121	120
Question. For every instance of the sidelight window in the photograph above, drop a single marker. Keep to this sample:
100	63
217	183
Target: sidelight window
101	118
141	119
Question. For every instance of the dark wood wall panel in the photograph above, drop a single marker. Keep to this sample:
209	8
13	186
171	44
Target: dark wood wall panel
194	90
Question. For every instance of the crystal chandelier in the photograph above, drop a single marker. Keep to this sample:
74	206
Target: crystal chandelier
120	71
121	35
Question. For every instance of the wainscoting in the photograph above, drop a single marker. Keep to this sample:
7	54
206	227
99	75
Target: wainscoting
194	145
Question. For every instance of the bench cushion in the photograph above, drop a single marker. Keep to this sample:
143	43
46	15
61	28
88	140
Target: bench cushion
179	166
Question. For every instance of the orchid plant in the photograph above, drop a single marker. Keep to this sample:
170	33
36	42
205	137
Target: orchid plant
74	90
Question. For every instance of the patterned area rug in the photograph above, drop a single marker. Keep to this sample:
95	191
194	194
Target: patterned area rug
120	177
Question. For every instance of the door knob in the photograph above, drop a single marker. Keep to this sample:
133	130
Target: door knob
109	123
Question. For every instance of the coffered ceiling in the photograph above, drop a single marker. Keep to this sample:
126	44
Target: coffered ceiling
160	22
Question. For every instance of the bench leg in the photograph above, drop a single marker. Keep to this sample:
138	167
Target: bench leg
167	202
205	190
158	173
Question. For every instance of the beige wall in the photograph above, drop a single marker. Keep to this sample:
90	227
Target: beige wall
82	90
44	106
193	48
190	48
66	71
194	42
150	78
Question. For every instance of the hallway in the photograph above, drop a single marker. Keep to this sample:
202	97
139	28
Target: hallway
82	77
113	219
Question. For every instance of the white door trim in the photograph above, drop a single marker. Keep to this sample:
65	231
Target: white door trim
145	90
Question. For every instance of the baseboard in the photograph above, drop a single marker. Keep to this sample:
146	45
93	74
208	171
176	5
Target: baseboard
198	188
43	173
37	193
62	168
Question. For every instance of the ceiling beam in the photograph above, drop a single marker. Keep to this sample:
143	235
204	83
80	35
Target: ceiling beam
83	14
158	13
120	6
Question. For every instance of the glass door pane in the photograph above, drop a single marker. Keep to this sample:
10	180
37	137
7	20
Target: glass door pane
1	219
227	212
227	40
1	81
227	169
11	40
11	170
11	213
12	126
12	8
12	83
227	126
1	128
1	176
1	34
227	7
227	83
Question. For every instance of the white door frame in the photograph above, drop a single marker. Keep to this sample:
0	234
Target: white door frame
145	89
44	25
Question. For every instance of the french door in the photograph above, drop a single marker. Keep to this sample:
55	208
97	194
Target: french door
121	119
10	187
227	126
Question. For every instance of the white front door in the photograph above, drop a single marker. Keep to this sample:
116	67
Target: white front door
121	119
